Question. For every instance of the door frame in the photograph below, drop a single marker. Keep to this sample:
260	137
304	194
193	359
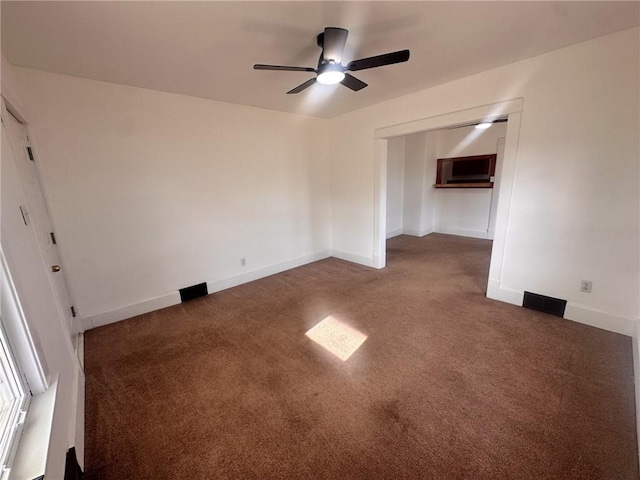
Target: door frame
512	109
20	135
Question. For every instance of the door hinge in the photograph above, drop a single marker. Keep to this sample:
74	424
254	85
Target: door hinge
30	154
73	312
25	214
53	238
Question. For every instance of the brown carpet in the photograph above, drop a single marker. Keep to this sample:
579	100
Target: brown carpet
448	384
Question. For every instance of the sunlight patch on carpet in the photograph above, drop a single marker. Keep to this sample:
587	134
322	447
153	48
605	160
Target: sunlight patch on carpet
336	337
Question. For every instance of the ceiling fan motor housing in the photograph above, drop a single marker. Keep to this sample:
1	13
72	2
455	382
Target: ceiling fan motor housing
330	69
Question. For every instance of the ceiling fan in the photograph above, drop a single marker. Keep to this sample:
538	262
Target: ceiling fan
330	69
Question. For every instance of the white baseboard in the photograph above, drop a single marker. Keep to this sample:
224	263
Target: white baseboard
636	374
575	312
352	257
598	319
378	262
504	294
173	298
146	306
76	325
259	273
394	233
414	232
461	232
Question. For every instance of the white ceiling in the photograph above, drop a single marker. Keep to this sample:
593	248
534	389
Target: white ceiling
207	49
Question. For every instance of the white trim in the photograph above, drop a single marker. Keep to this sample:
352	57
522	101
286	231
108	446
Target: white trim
636	374
504	294
173	298
122	313
461	232
78	414
354	258
16	106
76	426
381	147
574	311
80	350
595	318
22	342
259	273
33	449
394	233
414	232
378	262
495	191
482	112
505	182
76	325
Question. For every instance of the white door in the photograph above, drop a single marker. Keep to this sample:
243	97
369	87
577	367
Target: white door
36	215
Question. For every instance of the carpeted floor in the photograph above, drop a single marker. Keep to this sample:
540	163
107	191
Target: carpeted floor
447	385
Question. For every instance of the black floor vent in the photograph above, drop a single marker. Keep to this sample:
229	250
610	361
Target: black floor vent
554	306
194	291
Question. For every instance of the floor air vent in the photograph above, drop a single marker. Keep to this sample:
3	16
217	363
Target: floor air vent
554	306
194	291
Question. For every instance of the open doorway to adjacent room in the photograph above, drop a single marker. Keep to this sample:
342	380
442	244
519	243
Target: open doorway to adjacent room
464	200
444	175
446	182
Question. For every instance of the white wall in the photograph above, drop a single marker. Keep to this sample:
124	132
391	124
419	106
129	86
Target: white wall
420	174
151	192
429	199
574	210
466	211
414	171
395	186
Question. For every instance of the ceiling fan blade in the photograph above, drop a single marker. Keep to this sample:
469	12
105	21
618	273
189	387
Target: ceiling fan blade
333	43
301	87
259	66
352	82
378	61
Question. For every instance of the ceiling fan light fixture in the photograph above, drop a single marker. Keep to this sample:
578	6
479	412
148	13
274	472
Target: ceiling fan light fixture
330	69
330	77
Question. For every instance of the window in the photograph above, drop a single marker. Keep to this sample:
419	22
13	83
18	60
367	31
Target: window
14	401
14	393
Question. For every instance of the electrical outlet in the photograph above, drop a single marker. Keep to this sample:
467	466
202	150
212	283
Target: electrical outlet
585	286
243	262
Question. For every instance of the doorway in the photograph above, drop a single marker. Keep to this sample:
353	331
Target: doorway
510	110
445	181
29	199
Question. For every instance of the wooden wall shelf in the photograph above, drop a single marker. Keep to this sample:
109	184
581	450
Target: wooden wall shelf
475	171
464	185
